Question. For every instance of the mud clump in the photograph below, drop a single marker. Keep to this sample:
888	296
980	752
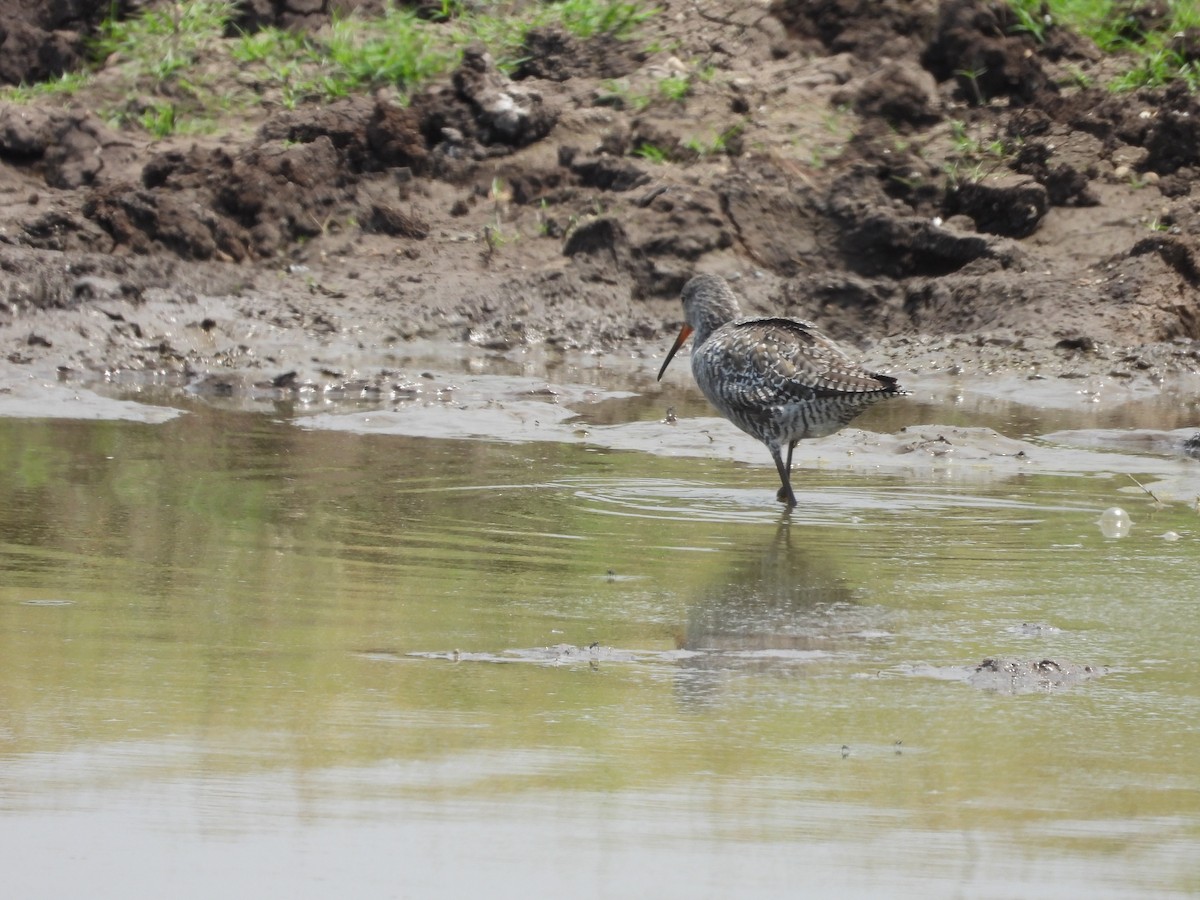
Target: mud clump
982	49
145	221
67	149
1026	676
1013	676
1064	184
1172	140
302	173
1012	206
552	54
903	95
41	41
864	28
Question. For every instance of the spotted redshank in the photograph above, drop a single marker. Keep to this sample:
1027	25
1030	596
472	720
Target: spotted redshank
779	380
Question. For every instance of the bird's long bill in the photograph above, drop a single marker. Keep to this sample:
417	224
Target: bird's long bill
684	333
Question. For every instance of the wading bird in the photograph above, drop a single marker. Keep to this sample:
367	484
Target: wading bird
779	380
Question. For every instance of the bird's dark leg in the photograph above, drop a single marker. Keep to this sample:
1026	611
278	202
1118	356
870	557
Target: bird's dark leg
784	494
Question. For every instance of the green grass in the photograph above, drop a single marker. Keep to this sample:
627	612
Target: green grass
715	145
165	57
159	119
968	145
165	40
675	87
589	18
269	46
976	155
1153	61
67	84
399	48
651	153
620	94
1160	65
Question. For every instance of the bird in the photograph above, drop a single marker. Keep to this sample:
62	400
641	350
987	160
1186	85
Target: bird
780	380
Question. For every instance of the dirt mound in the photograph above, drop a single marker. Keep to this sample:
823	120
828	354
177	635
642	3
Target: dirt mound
39	41
300	173
864	28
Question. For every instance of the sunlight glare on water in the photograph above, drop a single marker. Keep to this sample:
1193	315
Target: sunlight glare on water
293	661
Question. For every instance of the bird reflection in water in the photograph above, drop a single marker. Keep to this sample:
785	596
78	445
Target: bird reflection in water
784	606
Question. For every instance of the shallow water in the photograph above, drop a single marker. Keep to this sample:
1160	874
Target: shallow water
307	648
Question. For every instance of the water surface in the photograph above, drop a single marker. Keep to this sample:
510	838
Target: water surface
281	652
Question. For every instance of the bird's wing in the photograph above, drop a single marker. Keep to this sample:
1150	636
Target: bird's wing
771	360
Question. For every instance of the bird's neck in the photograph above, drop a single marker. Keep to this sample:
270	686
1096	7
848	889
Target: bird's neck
712	318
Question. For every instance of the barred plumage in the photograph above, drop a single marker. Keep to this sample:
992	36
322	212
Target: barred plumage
779	380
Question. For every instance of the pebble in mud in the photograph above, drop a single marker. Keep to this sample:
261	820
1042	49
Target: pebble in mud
1114	522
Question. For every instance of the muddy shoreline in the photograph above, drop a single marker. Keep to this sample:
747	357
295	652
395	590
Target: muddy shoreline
312	249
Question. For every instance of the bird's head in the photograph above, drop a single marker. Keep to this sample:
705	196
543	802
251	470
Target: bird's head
708	303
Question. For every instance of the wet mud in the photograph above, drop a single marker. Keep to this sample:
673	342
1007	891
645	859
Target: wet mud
1014	676
999	675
